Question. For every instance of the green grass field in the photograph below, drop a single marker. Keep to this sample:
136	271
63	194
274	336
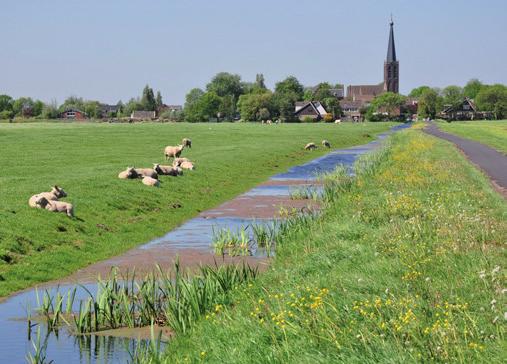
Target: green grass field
115	215
492	133
407	265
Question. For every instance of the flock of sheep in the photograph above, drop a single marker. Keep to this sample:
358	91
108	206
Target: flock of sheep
50	200
312	146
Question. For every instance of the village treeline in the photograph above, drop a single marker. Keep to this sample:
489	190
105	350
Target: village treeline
228	98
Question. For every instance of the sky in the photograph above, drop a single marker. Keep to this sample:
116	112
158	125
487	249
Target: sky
109	50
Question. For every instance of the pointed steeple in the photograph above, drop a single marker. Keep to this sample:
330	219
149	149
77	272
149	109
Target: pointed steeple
391	50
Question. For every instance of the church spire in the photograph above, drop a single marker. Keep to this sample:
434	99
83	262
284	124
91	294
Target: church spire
391	50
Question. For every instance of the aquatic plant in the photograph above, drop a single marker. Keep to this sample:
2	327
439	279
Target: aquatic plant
147	352
39	351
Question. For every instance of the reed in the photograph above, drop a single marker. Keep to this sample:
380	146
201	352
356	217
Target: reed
39	351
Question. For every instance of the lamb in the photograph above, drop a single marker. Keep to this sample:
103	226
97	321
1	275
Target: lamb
129	173
55	193
187	165
173	152
56	206
148	181
146	172
310	146
167	170
177	161
186	142
326	144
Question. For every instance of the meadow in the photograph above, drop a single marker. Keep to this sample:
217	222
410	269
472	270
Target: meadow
492	133
115	215
407	264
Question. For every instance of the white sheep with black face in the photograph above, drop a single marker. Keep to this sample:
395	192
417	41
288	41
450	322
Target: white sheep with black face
177	161
55	193
167	170
129	173
326	144
173	152
56	206
186	143
310	146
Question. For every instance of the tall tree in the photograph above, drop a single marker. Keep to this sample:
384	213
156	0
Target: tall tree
259	81
287	92
253	106
290	85
148	99
493	98
388	102
158	100
428	103
453	95
225	84
6	103
472	88
418	91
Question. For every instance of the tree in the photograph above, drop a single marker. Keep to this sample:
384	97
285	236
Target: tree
6	103
418	91
192	104
72	102
23	107
287	92
92	109
224	84
388	103
158	100
453	95
227	108
50	111
472	88
428	103
201	106
332	106
253	107
259	81
493	98
148	99
292	86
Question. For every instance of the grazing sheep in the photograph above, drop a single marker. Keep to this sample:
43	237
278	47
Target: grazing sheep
55	193
129	173
186	143
177	161
187	165
173	152
268	122
148	181
310	146
56	206
146	172
337	121
326	144
167	170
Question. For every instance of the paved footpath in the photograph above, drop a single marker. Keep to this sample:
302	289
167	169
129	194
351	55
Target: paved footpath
492	162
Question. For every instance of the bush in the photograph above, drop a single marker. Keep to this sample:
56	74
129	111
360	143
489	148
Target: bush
308	119
6	114
328	118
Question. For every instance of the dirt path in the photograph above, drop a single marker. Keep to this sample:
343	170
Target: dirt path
493	163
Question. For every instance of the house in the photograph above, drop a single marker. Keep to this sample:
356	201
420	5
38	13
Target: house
143	115
309	109
351	109
109	110
73	114
364	93
465	110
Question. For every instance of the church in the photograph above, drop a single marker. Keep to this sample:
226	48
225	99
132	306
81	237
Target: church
358	96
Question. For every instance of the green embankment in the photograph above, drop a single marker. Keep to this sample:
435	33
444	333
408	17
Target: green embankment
407	265
115	215
492	133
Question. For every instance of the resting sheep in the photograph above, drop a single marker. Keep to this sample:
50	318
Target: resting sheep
56	206
187	165
177	161
129	173
146	172
326	144
55	193
310	146
173	152
148	181
167	170
186	142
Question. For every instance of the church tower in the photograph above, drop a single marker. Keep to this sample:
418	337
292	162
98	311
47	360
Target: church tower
391	65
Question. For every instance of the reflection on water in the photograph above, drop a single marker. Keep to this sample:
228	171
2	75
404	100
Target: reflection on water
63	347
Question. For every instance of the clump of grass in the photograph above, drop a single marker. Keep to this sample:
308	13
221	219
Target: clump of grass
224	241
177	301
147	352
304	193
39	350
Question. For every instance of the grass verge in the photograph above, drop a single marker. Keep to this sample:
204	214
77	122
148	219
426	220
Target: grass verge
115	215
406	265
492	133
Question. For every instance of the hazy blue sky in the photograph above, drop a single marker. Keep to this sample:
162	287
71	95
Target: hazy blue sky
109	49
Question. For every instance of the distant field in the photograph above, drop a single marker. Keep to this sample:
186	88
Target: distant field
115	215
492	133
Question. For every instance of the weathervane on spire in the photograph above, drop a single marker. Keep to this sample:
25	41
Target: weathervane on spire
391	22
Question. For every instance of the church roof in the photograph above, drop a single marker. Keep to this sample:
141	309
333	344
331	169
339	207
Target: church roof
391	49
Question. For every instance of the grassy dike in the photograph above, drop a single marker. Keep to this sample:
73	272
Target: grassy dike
492	133
406	265
115	215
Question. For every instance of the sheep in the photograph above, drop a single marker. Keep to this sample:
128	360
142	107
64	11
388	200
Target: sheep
337	121
186	142
56	206
55	193
177	161
173	152
148	181
167	170
187	165
326	144
146	172
129	173
310	146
